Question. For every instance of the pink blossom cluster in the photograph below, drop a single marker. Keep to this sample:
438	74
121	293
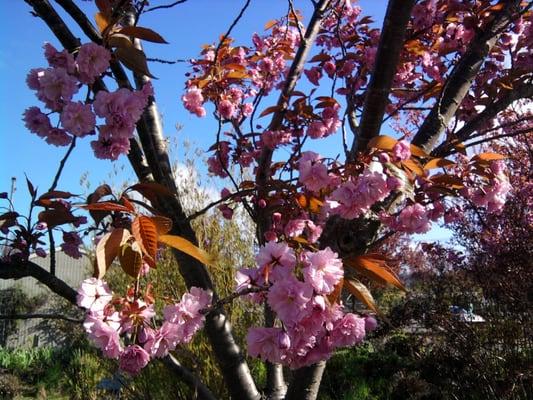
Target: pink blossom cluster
328	125
105	325
121	110
55	87
492	195
297	287
355	196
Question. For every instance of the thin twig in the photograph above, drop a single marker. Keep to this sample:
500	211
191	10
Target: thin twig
41	316
165	6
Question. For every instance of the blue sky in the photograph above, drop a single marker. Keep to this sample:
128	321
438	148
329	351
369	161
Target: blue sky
186	27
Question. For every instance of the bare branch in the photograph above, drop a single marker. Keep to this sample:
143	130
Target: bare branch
462	77
201	391
387	57
165	6
23	269
41	316
491	111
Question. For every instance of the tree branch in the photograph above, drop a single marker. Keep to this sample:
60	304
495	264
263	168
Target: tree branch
201	391
275	381
306	382
462	77
28	268
521	92
388	54
41	316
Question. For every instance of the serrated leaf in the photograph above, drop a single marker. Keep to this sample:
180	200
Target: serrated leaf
151	190
413	166
438	163
270	24
489	157
107	250
31	188
237	75
143	34
418	151
134	59
187	247
106	206
56	217
94	197
375	267
131	258
362	293
117	40
382	142
145	233
269	110
162	224
101	21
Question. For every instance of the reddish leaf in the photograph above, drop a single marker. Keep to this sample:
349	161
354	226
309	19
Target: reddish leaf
145	233
375	267
382	142
31	189
151	191
127	203
101	191
106	206
334	296
438	163
134	59
417	151
413	166
107	250
162	224
131	258
237	75
488	157
269	110
56	217
448	181
362	293
102	21
270	24
187	247
142	33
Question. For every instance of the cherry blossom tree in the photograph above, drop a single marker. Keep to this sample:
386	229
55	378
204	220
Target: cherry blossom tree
446	76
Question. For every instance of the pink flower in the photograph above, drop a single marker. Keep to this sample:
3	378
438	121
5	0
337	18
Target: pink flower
413	219
163	340
78	119
313	173
264	343
316	130
71	243
94	295
348	331
92	62
289	298
324	270
109	146
370	324
330	68
59	59
36	121
273	139
133	359
186	314
56	87
58	137
226	109
276	254
401	151
193	100
32	79
104	335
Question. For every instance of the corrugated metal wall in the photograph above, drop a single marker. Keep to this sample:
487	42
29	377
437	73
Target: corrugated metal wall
36	332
